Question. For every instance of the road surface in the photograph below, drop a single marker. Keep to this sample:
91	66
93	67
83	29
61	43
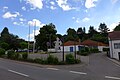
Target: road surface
98	68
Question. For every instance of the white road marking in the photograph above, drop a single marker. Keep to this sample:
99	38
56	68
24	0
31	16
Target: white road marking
52	68
109	77
78	72
18	73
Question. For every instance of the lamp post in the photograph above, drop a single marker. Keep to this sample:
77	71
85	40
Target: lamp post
28	38
63	47
34	38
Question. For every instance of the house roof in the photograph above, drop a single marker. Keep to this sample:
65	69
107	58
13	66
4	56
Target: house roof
93	43
71	43
86	42
115	35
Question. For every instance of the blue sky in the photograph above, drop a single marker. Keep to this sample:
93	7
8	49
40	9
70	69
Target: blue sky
17	15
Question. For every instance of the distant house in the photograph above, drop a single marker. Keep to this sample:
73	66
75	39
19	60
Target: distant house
71	46
114	44
94	44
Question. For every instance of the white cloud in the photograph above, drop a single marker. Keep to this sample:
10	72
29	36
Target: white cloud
64	5
38	24
32	35
52	3
86	19
21	19
16	23
112	26
5	8
52	7
11	15
24	8
35	22
90	3
35	4
77	20
73	17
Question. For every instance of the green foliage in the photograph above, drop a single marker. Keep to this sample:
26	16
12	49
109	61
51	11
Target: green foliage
70	59
4	45
71	35
2	52
117	28
106	49
23	45
16	56
84	51
38	60
94	50
52	60
25	56
103	28
47	34
10	54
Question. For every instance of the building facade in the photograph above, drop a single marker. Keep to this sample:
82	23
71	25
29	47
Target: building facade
114	44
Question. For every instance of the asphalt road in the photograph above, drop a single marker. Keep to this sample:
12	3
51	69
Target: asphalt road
99	67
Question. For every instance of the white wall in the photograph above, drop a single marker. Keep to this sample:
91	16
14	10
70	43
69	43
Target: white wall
100	48
114	52
67	48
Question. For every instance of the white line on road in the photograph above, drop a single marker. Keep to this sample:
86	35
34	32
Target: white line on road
18	73
78	72
109	77
52	68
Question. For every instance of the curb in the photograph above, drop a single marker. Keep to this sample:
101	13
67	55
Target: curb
40	65
114	61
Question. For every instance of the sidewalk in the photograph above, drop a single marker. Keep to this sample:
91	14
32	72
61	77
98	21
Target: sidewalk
115	61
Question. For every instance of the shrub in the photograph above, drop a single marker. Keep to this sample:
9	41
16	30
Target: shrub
10	54
16	55
106	49
94	50
70	59
52	60
84	53
2	51
25	56
77	61
38	60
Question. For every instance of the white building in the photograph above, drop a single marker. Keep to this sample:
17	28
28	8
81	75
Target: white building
71	46
95	44
114	44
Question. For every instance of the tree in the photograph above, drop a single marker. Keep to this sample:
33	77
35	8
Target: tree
12	40
4	45
92	31
82	33
117	28
103	29
23	45
47	35
71	35
5	32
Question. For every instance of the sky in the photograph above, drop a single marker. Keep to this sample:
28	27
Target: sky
18	15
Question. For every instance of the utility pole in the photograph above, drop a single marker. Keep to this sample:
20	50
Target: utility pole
63	48
28	38
34	38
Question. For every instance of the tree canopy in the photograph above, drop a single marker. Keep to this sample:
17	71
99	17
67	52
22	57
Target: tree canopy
46	37
117	28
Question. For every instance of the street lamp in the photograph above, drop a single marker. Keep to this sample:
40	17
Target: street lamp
34	38
28	38
62	39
